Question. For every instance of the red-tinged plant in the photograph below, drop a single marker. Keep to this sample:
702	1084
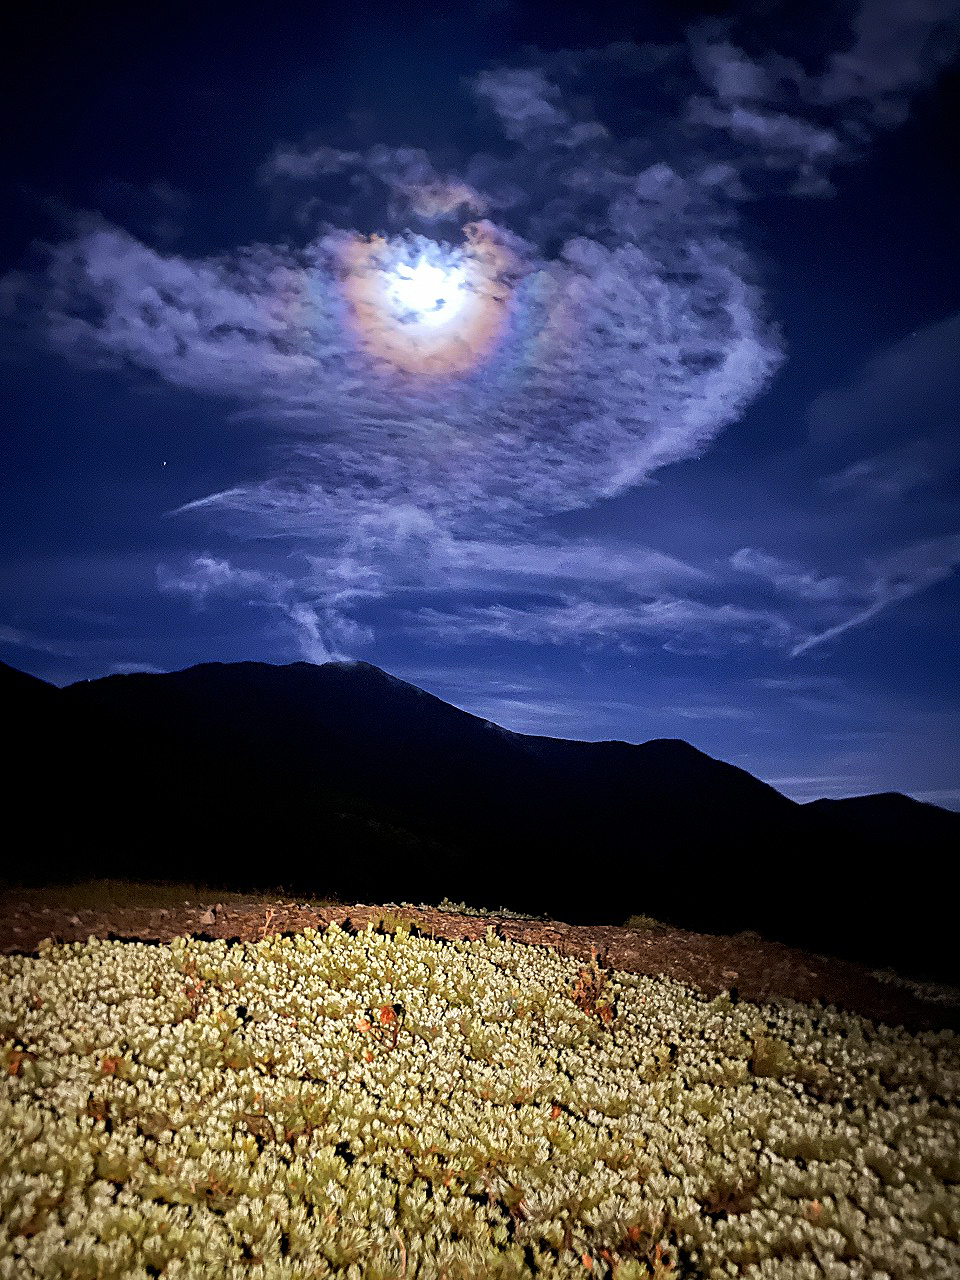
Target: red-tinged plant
588	989
386	1026
16	1060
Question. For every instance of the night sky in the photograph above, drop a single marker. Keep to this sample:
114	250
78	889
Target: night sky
597	370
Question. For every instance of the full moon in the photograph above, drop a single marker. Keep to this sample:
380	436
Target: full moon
425	308
429	294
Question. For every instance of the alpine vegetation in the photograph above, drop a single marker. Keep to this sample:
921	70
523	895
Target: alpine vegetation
382	1105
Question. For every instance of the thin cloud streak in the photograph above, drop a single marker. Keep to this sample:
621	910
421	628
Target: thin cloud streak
681	625
896	578
789	579
27	640
893	472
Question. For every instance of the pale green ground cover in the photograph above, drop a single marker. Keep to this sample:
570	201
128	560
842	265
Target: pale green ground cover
394	1105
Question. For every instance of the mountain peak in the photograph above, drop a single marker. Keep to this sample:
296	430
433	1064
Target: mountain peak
339	777
676	746
361	668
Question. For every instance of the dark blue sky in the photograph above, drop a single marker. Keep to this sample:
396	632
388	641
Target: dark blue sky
597	372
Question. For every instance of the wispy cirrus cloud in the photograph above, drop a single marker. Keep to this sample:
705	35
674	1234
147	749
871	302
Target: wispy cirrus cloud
805	788
317	627
788	578
893	472
82	650
893	427
711	711
832	605
890	580
616	327
801	684
23	639
679	625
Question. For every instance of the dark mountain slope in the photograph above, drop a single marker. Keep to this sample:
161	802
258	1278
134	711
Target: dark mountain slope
341	778
249	753
255	752
890	815
17	686
40	756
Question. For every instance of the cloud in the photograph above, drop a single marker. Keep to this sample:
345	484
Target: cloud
409	181
894	426
22	639
219	326
606	369
790	579
837	603
822	706
603	368
711	711
526	104
895	471
536	702
471	565
591	319
783	140
892	579
318	628
796	683
807	787
804	122
679	625
834	698
730	73
915	379
79	648
898	46
157	210
948	798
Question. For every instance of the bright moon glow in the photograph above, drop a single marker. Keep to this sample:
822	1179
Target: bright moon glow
432	293
425	308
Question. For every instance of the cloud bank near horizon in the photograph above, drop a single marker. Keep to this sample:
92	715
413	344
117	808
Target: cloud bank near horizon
608	325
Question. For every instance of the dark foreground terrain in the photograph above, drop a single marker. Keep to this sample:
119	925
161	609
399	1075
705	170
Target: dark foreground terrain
343	778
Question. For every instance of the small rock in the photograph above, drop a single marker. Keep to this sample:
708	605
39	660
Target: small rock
74	919
209	916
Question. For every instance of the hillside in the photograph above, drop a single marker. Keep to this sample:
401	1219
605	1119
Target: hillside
890	814
341	778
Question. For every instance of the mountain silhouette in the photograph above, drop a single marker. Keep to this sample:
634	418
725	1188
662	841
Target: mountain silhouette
890	814
342	779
